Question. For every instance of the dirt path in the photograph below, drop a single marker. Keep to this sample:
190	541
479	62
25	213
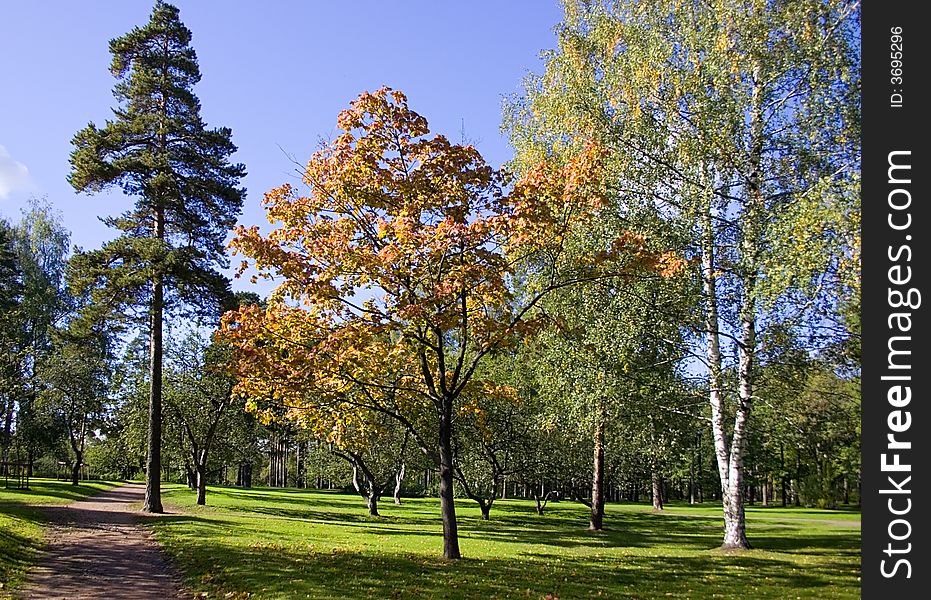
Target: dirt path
97	550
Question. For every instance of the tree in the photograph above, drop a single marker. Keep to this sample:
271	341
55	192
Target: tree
198	395
608	358
11	351
808	432
397	271
11	284
76	377
121	447
489	432
241	446
158	149
376	455
743	118
39	244
526	435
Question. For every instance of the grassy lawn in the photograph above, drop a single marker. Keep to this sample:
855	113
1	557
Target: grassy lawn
303	544
21	522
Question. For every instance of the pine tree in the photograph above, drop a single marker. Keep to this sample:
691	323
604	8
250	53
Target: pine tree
158	150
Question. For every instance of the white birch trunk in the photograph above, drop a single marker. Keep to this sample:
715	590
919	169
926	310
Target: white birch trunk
729	456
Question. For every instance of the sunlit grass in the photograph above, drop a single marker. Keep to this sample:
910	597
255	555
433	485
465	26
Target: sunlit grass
303	544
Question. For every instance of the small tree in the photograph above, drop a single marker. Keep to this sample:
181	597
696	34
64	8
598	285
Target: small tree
375	449
77	383
198	395
158	149
493	430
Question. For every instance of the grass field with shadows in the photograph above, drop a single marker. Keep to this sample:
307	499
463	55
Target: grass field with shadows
266	543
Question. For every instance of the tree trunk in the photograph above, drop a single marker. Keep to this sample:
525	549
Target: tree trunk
7	432
701	471
735	534
153	493
367	487
783	478
542	500
201	483
729	462
398	480
244	475
657	484
299	466
735	529
447	502
283	462
76	468
596	520
371	501
692	480
272	445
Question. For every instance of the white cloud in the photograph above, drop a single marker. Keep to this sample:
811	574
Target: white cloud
14	176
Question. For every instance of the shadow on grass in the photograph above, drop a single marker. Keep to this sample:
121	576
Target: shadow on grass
289	496
809	543
189	523
47	488
522	529
234	548
802	511
30	513
516	522
20	540
645	530
286	572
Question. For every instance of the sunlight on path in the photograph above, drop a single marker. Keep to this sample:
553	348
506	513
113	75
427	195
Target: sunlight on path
97	550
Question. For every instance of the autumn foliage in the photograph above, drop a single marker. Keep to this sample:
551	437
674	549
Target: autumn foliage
397	271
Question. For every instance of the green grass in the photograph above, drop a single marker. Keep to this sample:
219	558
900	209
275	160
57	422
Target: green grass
22	527
302	544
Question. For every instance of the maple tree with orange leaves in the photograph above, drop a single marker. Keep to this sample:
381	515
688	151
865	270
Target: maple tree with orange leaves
399	272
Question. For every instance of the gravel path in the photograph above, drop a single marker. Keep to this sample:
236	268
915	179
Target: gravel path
96	549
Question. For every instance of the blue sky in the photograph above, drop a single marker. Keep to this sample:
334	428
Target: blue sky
275	72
